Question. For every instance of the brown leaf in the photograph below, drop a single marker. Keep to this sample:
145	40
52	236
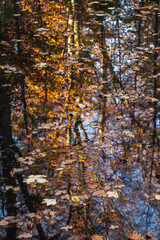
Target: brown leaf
67	228
96	237
92	185
134	236
99	193
25	235
149	235
3	223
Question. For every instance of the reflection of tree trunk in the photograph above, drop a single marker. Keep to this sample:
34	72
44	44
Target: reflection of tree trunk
78	123
46	97
9	162
155	71
76	130
6	155
141	4
155	86
39	10
73	41
104	87
24	106
18	36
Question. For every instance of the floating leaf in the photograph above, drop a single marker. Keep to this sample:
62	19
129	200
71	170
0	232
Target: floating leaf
41	29
3	223
113	194
92	185
41	64
25	235
50	202
99	193
67	228
114	227
66	196
134	236
38	178
59	169
96	237
75	199
60	192
157	197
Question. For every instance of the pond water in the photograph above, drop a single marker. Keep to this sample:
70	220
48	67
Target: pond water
80	120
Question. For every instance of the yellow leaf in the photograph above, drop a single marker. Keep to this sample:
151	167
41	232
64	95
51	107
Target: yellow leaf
75	199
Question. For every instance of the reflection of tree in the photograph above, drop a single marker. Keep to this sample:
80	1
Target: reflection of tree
9	162
72	64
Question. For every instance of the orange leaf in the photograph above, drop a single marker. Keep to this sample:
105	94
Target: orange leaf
92	185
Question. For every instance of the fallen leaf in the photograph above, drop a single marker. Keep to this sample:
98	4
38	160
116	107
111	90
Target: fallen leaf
113	194
75	199
59	169
114	227
96	237
99	193
52	214
66	196
157	197
30	215
25	235
149	235
92	185
67	228
70	161
50	201
60	192
84	197
146	195
135	236
3	223
30	225
38	178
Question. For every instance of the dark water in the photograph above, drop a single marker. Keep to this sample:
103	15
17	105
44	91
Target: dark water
79	120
